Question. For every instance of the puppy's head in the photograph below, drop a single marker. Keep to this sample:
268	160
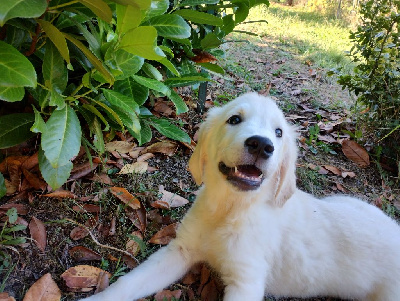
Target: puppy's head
247	145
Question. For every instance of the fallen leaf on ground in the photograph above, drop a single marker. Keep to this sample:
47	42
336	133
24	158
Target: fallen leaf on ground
102	282
122	147
6	297
340	187
167	295
333	169
86	208
165	235
82	277
102	178
45	289
165	147
327	138
123	195
31	162
38	233
145	157
162	108
210	292
137	217
61	194
173	200
137	167
133	246
82	170
34	180
80	253
355	152
21	208
202	57
78	233
349	174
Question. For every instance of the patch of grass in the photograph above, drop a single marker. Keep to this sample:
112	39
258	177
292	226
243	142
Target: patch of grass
311	181
313	37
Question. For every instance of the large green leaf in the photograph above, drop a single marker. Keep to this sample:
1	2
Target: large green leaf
21	9
56	37
170	26
126	108
210	41
157	8
128	63
199	17
3	188
241	12
14	129
185	81
152	84
55	177
99	8
129	87
92	58
141	41
55	72
143	4
12	94
212	67
62	139
180	105
128	17
39	126
15	69
170	130
198	2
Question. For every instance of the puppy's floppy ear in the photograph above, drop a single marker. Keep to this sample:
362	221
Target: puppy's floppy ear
286	174
198	158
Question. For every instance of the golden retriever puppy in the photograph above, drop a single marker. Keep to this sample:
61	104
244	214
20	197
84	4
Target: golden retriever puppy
261	233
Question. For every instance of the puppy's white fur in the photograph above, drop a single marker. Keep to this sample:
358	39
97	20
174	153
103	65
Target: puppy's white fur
275	239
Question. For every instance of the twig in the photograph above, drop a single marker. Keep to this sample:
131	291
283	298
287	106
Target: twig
34	41
100	244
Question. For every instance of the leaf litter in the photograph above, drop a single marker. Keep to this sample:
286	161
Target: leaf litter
153	189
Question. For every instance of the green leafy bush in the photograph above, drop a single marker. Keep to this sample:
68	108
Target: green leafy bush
84	68
376	78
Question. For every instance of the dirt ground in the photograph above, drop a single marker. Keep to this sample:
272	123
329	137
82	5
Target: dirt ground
306	95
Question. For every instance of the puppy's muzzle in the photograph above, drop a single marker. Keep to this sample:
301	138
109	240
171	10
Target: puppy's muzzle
260	147
249	176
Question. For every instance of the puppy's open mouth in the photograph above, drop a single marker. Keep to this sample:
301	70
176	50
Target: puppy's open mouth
245	177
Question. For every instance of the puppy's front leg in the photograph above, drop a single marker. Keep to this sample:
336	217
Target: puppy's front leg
161	269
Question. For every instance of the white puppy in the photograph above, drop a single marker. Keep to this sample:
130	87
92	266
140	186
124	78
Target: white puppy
261	233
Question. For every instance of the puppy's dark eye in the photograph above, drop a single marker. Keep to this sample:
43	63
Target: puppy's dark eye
235	119
278	133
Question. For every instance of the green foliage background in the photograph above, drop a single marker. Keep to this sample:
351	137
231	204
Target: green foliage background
88	67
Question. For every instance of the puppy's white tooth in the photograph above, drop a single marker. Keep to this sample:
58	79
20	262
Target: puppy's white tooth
260	176
236	169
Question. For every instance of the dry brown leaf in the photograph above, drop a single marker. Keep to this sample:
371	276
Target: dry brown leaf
327	138
167	295
123	195
165	235
80	253
38	233
86	208
333	169
6	297
162	108
132	246
136	152
34	180
160	204
209	292
340	187
138	217
165	147
102	178
61	194
21	208
137	167
82	170
102	282
45	289
202	57
82	276
78	233
355	152
173	200
349	174
122	147
145	157
31	162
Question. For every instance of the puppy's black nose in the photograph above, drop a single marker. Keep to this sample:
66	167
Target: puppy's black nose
259	146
